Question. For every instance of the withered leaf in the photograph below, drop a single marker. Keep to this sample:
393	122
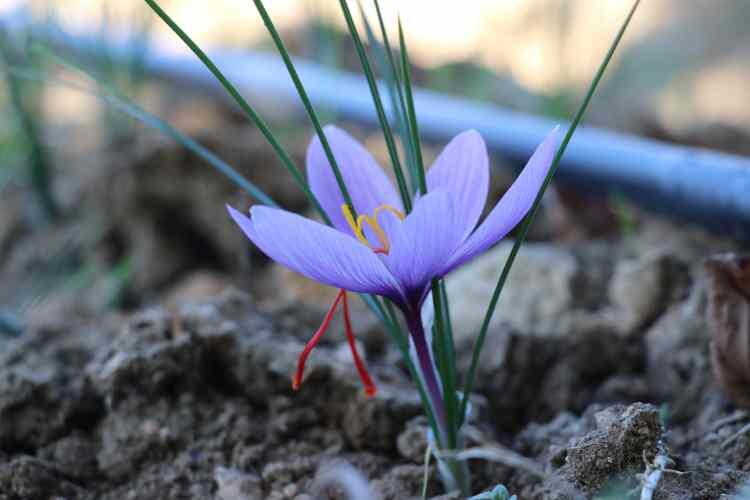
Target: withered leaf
729	321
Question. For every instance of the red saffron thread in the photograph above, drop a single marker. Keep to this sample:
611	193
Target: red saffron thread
370	389
297	379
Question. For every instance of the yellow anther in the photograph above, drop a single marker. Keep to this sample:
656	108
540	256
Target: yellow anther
372	221
395	211
354	225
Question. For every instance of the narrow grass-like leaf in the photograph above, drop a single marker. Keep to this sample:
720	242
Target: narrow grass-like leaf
532	213
411	113
387	133
305	100
165	128
397	84
395	93
441	355
452	399
244	105
449	324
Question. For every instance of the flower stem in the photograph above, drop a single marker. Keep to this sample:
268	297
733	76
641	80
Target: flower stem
427	367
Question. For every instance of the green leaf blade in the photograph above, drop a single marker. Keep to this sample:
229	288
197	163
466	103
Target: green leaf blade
534	209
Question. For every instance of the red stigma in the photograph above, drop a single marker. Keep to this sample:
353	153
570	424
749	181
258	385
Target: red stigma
369	386
370	389
297	379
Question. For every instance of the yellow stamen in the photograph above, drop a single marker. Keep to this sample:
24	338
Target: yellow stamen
372	221
395	211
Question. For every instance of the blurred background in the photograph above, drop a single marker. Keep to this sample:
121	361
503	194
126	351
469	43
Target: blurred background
101	212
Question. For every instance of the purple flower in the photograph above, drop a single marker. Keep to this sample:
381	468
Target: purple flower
385	251
395	255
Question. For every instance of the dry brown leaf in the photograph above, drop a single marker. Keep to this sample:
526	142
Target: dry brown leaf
729	321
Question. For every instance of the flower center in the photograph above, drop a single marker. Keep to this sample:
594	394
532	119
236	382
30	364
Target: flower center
372	221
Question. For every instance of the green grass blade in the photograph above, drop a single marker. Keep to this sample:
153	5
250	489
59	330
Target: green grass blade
244	105
387	133
404	128
448	380
532	213
395	93
411	113
450	359
131	109
305	100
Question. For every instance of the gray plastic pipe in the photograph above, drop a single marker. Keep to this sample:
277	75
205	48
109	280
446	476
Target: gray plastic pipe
691	183
688	183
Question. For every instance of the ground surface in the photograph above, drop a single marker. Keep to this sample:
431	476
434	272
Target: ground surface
598	364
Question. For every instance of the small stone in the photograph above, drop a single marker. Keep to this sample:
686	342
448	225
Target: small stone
236	485
74	456
404	482
33	479
678	360
277	472
244	456
412	442
375	423
290	490
280	473
642	288
291	422
534	299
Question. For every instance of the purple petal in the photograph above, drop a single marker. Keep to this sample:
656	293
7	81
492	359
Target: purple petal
422	244
514	204
463	170
367	183
316	251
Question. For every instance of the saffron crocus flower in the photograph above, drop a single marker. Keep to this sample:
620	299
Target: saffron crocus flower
384	251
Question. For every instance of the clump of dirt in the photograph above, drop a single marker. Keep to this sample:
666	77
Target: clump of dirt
191	403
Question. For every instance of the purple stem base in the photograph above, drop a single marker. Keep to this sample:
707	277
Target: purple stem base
427	368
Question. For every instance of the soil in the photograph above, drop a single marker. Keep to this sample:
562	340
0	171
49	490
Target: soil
596	379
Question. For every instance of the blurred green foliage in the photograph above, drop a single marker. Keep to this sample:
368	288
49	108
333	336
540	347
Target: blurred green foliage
25	126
